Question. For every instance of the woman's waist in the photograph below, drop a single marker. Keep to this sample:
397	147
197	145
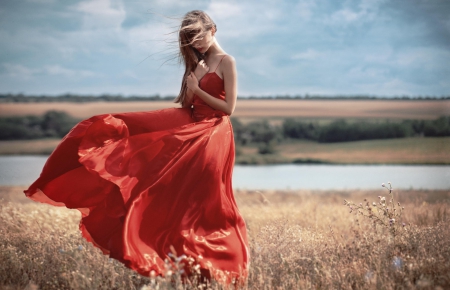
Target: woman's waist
201	110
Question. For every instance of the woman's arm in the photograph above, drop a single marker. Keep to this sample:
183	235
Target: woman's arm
199	72
230	83
187	102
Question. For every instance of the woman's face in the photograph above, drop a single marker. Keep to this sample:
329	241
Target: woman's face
202	45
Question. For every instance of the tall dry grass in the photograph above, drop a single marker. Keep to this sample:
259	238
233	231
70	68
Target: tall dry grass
298	240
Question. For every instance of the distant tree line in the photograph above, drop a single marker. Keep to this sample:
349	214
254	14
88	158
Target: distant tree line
266	136
21	98
54	124
261	133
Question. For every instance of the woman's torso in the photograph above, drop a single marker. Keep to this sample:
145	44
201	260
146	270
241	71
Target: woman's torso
212	84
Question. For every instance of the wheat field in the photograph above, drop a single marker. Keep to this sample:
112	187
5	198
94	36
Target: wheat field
256	109
298	240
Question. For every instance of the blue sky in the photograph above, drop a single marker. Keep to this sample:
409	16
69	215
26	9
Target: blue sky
327	47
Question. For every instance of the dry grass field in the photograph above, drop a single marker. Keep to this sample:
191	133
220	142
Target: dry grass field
298	240
255	109
389	151
23	147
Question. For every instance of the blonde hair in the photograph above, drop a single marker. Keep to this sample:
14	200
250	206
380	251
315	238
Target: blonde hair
193	27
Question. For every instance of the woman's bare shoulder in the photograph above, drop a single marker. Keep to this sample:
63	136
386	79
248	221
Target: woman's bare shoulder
228	61
228	58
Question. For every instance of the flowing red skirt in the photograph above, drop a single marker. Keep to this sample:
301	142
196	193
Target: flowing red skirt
148	183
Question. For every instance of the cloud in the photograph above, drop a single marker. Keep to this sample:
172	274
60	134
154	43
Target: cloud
104	14
42	1
21	71
295	47
18	70
57	70
305	9
309	54
366	11
224	11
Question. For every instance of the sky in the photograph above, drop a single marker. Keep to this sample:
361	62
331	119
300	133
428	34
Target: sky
317	47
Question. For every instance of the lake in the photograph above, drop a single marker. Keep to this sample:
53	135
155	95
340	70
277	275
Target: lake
23	170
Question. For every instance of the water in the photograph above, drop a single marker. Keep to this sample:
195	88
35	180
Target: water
20	170
341	177
23	170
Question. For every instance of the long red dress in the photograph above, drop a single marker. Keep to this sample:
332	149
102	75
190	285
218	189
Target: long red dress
149	182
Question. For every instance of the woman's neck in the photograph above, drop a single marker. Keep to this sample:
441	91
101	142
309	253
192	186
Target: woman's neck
214	49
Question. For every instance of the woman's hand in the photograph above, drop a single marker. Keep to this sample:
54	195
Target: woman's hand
192	82
227	106
201	69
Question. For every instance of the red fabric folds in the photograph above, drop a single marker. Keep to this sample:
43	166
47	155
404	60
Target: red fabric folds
149	182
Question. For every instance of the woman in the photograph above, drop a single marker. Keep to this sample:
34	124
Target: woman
153	183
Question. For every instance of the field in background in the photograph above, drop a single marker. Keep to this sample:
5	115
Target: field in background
391	151
28	147
298	240
415	150
251	109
